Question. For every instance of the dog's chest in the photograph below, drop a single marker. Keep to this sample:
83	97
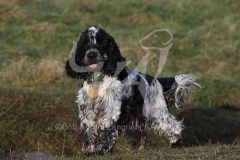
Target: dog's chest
103	107
94	103
92	109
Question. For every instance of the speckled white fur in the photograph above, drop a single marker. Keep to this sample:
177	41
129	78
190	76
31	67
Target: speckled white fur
155	107
185	84
108	101
156	110
92	32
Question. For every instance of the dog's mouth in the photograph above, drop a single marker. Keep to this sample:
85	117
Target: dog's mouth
93	65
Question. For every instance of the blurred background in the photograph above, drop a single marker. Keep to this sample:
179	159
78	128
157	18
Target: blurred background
36	37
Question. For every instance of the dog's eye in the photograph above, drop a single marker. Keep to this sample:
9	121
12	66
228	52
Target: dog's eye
100	42
84	41
100	39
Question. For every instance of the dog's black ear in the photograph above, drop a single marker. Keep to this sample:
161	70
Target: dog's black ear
113	56
74	67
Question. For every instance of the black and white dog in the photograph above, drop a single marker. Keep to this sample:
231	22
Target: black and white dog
114	98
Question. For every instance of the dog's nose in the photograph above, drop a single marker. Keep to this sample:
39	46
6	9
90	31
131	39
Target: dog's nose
92	55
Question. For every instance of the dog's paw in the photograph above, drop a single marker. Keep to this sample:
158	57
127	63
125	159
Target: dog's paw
92	149
177	144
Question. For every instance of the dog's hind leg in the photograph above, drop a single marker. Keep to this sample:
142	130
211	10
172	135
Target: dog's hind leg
137	134
138	138
158	116
171	127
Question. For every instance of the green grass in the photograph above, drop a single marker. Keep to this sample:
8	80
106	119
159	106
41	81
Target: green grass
35	93
206	152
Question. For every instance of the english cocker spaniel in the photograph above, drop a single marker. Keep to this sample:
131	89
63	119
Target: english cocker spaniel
114	98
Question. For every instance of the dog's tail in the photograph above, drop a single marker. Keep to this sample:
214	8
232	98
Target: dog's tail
175	88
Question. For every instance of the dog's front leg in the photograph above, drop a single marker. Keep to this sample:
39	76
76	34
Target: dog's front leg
90	140
98	141
107	139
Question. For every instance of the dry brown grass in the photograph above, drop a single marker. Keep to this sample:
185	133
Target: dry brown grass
26	72
10	11
44	27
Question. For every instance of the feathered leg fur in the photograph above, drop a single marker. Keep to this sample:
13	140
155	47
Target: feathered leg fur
174	91
159	95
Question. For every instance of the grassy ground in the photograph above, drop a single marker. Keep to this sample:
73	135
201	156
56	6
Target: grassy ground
35	94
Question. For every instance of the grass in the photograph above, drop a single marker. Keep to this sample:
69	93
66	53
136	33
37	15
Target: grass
35	93
208	151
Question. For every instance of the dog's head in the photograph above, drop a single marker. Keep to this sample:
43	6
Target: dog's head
96	51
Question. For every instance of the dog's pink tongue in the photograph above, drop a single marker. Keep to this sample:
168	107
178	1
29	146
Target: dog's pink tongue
93	65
